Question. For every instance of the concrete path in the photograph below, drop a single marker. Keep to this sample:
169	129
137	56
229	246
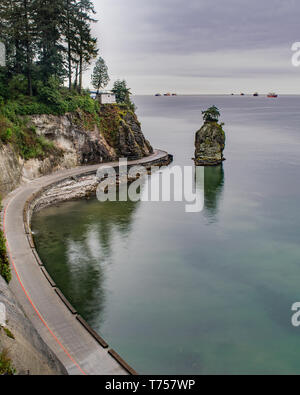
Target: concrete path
79	352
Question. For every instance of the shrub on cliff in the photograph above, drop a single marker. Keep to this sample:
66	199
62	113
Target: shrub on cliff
15	130
123	93
15	127
4	263
6	367
50	93
49	102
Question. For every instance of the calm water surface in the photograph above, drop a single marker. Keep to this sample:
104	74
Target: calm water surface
205	293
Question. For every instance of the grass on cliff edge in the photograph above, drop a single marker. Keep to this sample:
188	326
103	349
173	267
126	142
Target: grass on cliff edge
16	109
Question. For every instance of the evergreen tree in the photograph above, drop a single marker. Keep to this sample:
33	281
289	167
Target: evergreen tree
100	77
86	44
51	51
45	39
122	92
18	32
69	27
81	45
29	38
212	114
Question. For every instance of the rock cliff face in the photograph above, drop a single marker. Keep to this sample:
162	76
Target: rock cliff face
10	169
210	144
23	345
122	131
80	139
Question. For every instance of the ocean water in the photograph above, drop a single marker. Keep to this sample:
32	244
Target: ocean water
201	293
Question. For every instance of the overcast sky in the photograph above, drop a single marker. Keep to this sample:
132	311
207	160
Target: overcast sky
200	46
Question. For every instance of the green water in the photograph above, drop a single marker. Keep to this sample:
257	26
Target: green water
202	293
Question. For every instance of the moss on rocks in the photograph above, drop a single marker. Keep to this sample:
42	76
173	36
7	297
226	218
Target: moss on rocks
210	145
122	130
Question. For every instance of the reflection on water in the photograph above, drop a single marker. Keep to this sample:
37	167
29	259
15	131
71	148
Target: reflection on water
78	260
213	190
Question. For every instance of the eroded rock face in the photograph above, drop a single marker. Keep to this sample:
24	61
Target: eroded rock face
210	144
10	169
117	134
81	139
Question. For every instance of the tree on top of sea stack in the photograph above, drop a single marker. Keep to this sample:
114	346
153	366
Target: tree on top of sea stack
211	115
210	139
100	77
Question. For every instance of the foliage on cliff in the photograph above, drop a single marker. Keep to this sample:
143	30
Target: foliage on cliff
111	119
122	130
123	93
4	263
51	99
17	130
6	367
23	137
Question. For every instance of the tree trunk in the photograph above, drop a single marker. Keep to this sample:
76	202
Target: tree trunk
76	77
17	57
70	65
69	46
80	73
28	51
29	76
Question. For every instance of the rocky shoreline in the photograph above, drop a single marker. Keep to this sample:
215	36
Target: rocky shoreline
79	187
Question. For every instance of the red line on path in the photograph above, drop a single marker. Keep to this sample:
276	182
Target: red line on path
30	301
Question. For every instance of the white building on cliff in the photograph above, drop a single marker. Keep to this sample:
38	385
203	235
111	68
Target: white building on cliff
104	97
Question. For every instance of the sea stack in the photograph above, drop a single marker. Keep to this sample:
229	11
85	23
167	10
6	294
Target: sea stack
210	140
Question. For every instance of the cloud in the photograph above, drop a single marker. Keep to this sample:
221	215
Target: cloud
180	42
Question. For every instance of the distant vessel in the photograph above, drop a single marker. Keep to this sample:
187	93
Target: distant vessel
256	94
174	94
272	94
242	94
167	94
158	95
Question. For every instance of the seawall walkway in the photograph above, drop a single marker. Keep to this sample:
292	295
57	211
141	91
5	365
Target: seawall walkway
80	349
